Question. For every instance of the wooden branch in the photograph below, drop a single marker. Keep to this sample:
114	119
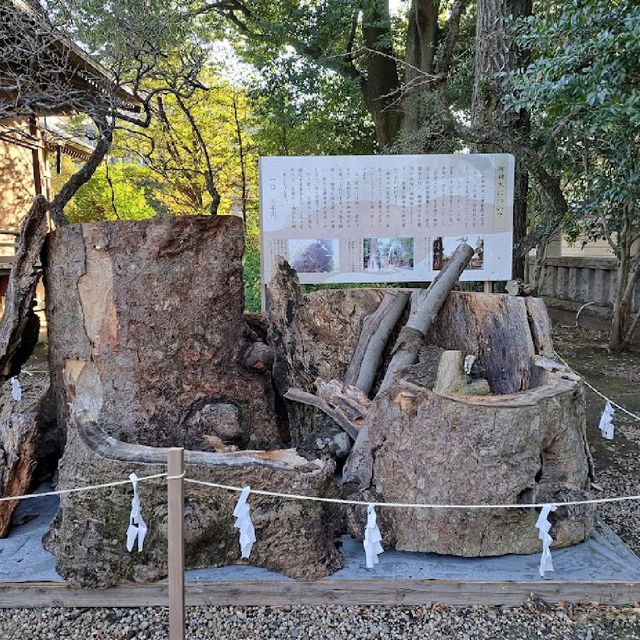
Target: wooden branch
350	400
79	178
375	332
338	416
20	326
425	305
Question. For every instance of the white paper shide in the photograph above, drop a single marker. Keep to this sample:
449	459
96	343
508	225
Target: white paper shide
16	389
244	524
137	527
606	422
544	527
372	539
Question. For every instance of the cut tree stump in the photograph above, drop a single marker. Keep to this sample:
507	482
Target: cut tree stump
146	323
20	326
88	534
525	443
453	449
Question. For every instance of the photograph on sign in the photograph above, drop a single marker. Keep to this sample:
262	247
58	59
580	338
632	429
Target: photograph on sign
390	255
314	255
443	249
370	219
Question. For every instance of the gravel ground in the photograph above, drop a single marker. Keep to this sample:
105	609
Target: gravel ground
532	620
617	467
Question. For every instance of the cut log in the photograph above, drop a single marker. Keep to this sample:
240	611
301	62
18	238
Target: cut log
21	431
87	537
20	326
146	323
425	305
376	329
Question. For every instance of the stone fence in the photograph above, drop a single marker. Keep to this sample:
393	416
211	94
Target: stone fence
570	282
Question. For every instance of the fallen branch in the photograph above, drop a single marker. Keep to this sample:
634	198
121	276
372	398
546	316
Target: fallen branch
336	414
376	330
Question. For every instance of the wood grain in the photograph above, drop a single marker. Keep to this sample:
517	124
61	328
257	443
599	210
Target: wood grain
326	592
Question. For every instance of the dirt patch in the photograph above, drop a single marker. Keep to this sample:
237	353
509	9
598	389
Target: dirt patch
617	461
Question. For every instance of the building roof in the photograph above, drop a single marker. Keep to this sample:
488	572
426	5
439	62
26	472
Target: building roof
85	73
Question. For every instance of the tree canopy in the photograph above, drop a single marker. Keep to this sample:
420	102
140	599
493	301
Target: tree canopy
553	82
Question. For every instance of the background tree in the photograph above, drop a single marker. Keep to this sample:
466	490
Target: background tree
583	91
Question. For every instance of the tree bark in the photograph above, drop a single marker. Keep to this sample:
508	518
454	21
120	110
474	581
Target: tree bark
20	326
90	554
425	304
375	333
135	310
22	429
422	35
496	53
381	85
617	314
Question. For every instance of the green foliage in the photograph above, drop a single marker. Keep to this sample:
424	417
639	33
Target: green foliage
171	159
303	109
96	200
583	89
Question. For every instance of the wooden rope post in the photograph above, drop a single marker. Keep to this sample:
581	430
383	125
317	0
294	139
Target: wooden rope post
175	500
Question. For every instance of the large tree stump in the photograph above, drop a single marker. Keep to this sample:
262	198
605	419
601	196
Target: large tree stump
519	448
88	535
146	324
149	349
525	445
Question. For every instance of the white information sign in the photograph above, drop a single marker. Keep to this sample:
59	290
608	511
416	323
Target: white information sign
386	218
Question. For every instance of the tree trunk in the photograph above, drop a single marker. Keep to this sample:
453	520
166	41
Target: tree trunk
496	52
432	448
135	314
422	35
617	315
425	304
20	326
498	330
381	86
